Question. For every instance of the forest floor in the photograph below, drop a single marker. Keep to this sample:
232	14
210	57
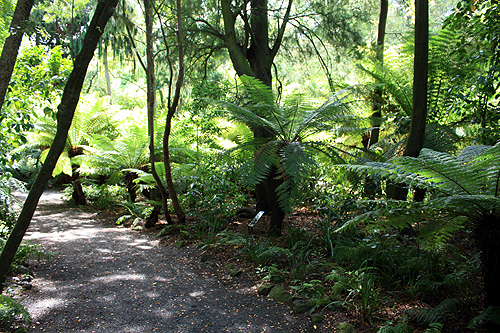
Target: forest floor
103	278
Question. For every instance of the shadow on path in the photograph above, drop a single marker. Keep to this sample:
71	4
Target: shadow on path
107	279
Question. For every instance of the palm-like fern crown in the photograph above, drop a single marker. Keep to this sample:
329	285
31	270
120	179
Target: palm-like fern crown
87	121
290	124
297	117
106	156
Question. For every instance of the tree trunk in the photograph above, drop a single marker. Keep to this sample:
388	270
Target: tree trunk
419	115
129	182
172	108
151	99
487	236
106	73
66	111
256	61
379	54
12	43
420	67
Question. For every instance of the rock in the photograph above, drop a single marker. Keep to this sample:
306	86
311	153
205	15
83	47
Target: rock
345	327
280	294
180	243
264	289
317	318
207	257
27	278
22	270
300	306
235	272
26	285
21	330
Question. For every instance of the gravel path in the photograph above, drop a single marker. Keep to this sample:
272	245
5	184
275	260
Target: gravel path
108	279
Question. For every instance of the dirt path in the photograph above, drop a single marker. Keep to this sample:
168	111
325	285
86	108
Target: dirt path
107	279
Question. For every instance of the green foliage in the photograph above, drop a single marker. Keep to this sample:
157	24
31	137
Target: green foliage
25	251
490	316
13	314
438	315
136	212
92	118
37	80
462	185
395	328
104	196
108	156
212	195
291	123
8	214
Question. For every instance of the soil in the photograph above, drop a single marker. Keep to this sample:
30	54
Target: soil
108	279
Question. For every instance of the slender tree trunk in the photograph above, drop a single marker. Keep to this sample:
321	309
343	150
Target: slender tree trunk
419	116
106	74
151	91
12	43
420	74
377	94
172	108
372	186
420	67
66	111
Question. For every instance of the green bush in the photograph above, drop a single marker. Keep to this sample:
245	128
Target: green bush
12	314
25	251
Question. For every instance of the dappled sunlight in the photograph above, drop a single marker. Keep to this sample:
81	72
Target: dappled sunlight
107	279
197	293
45	306
119	277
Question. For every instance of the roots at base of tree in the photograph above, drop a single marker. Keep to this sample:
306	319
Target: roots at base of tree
78	195
153	218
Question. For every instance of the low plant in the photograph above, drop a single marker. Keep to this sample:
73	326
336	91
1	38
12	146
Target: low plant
25	251
105	196
134	211
13	315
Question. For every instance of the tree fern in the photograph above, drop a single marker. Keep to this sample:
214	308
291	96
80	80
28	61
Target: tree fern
462	186
292	122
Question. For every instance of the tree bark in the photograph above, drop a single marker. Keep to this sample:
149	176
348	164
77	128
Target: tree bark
379	55
106	73
420	73
66	111
419	115
151	100
12	43
172	108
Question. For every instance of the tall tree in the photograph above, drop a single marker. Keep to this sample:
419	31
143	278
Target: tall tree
174	96
12	43
252	56
420	74
66	110
151	98
419	111
379	58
